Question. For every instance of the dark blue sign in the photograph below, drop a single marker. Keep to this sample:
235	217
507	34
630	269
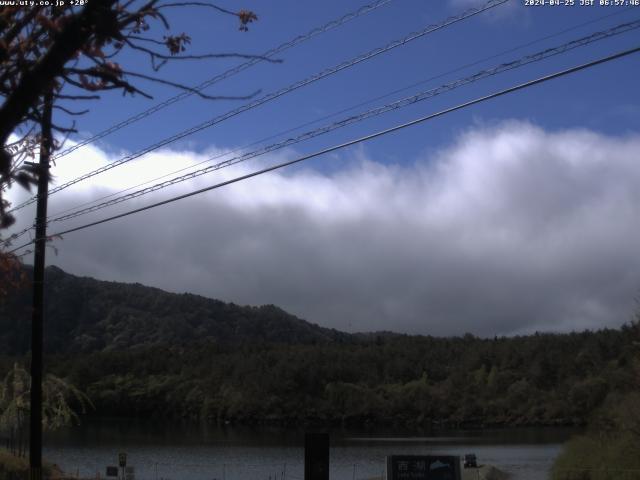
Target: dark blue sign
112	471
423	467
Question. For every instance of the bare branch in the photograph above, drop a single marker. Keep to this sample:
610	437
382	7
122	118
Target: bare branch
157	14
21	140
71	129
197	4
17	28
188	88
36	79
78	97
137	16
70	112
157	67
61	144
105	76
203	56
143	39
43	50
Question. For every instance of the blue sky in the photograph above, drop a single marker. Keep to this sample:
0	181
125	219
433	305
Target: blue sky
605	99
517	215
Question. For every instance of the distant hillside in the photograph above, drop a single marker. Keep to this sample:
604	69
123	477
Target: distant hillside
88	315
141	352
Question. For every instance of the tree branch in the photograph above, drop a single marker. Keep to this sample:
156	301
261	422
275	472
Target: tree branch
33	82
188	88
18	26
48	51
202	56
104	76
77	97
70	112
197	4
71	129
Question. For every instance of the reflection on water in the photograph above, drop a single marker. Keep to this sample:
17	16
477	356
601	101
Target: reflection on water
188	452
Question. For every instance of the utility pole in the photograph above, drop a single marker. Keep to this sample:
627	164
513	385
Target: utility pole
37	318
316	456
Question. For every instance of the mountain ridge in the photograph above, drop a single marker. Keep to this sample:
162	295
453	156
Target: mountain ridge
84	314
141	352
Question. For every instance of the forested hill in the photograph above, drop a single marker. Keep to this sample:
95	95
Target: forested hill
87	315
406	380
139	351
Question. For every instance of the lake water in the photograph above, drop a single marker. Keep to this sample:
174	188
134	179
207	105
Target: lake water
187	452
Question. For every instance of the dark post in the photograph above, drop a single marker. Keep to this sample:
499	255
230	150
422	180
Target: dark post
316	456
35	438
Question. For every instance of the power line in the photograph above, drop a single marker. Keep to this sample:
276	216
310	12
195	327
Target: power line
222	76
380	133
526	60
274	95
352	107
228	73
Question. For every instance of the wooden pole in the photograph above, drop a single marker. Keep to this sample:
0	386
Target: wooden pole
316	456
37	319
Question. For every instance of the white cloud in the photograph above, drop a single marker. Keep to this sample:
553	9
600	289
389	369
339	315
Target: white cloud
511	229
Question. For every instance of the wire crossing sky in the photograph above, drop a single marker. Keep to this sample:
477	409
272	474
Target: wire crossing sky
355	141
536	57
227	74
514	215
277	94
367	102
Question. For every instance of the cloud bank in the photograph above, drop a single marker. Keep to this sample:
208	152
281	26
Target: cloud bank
512	229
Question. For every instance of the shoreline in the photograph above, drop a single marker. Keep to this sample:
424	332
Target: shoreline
315	423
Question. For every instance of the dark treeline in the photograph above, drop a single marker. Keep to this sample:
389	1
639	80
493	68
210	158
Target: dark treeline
140	351
543	379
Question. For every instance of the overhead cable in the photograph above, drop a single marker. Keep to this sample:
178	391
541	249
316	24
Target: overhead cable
227	74
380	133
526	60
274	95
344	110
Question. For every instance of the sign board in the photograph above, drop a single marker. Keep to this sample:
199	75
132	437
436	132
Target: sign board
112	471
122	459
423	467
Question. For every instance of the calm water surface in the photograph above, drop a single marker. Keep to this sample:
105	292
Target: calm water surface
187	452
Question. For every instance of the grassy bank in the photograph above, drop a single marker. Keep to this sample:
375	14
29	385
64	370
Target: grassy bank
610	450
13	467
588	458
